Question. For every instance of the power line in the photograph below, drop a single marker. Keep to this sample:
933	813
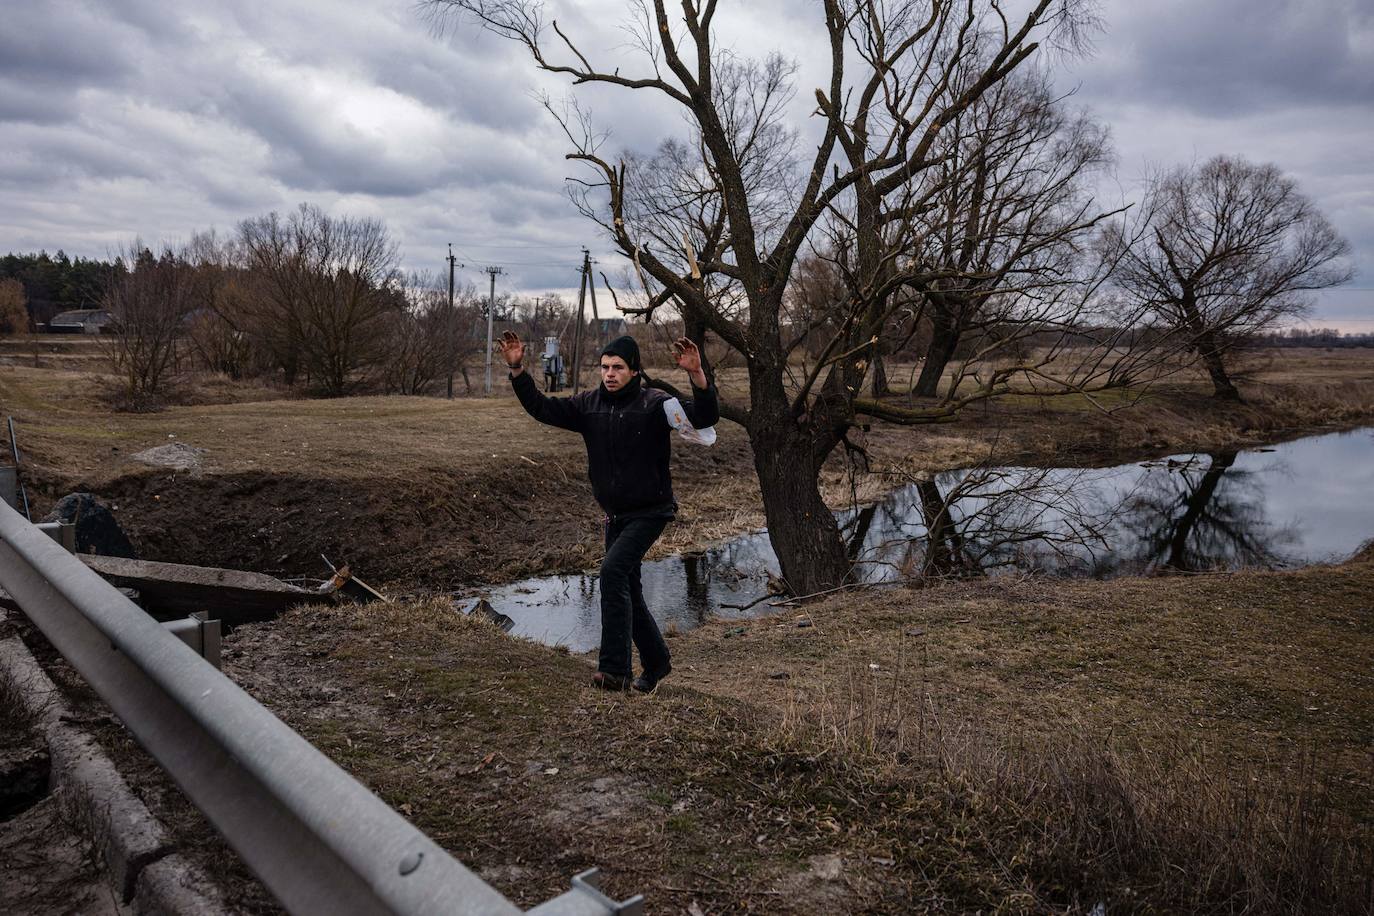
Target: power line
512	247
549	263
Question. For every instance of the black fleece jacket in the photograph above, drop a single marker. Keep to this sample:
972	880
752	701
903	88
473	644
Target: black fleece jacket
628	439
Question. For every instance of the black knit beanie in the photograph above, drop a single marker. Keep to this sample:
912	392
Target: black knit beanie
626	348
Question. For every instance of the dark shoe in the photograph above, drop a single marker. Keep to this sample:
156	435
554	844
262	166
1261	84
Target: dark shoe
603	681
647	681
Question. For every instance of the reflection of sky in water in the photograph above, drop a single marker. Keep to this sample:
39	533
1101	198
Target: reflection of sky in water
681	592
1306	501
1324	485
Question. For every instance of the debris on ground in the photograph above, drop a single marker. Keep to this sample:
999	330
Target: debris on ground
175	455
483	610
97	530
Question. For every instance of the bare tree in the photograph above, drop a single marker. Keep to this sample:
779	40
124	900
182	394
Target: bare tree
149	299
1009	214
417	351
325	286
1229	250
214	328
425	340
718	235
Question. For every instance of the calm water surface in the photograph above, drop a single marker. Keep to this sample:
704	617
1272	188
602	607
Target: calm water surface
1301	502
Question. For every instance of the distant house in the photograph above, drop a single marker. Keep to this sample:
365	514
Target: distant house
610	328
81	321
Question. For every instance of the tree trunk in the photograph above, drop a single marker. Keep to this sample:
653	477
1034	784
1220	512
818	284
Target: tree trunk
1208	348
1194	508
1222	385
805	536
943	342
944	547
862	523
880	387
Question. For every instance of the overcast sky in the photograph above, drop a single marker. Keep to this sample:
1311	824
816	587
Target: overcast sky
124	118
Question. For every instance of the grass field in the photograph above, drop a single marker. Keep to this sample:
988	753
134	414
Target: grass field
1199	744
435	493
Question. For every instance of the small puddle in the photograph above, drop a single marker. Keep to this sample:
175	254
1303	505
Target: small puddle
1306	501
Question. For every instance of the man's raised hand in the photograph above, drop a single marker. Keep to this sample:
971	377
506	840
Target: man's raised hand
688	358
687	355
512	350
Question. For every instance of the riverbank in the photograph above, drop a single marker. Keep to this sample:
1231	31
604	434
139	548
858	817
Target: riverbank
450	495
1196	744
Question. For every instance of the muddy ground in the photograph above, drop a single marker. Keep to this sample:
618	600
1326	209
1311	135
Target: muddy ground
1198	744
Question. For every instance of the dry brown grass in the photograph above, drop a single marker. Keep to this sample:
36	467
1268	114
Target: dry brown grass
1080	817
1162	745
1204	742
471	491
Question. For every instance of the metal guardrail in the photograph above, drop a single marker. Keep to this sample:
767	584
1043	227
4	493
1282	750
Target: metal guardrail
318	840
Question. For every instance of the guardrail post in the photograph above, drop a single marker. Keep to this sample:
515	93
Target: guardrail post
9	485
63	533
200	633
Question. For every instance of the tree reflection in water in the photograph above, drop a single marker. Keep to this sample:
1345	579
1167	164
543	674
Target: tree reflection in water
975	521
1175	515
1188	518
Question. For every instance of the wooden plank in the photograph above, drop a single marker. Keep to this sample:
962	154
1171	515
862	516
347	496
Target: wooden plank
172	590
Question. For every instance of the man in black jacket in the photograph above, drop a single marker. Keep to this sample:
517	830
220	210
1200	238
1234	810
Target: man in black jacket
627	432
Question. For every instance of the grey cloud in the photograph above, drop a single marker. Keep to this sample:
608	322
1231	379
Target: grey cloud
128	117
20	101
45	156
1229	57
41	49
394	48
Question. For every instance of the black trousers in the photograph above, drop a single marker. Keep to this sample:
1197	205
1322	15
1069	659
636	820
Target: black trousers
624	615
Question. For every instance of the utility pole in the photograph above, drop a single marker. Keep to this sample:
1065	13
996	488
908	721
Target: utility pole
577	328
491	317
596	319
448	320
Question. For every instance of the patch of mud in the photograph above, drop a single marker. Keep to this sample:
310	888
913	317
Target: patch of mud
590	804
831	883
175	455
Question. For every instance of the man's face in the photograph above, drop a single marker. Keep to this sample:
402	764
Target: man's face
615	373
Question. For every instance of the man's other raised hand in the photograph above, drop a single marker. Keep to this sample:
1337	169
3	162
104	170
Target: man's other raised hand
512	350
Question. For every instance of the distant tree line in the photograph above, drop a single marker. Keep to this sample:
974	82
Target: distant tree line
308	299
56	283
1330	338
305	299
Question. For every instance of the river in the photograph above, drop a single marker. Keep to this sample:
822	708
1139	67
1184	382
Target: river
1307	501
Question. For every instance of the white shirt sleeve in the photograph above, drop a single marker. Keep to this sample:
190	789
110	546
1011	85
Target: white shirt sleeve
677	419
